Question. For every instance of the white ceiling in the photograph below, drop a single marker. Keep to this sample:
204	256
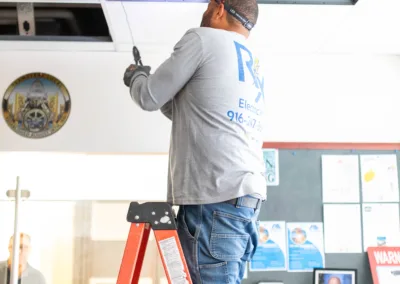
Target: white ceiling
371	26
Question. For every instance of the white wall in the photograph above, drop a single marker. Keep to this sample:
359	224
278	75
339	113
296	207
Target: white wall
333	98
55	176
103	116
311	96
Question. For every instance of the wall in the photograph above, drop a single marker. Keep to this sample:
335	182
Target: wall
311	95
103	116
332	97
309	98
62	176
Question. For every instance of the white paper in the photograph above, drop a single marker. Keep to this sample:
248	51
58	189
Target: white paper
340	179
388	274
381	224
271	254
342	228
379	178
305	246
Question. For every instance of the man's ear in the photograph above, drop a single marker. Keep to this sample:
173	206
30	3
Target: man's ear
219	12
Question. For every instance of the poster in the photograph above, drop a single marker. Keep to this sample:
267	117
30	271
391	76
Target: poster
385	264
271	159
381	224
340	179
379	178
305	246
271	254
342	228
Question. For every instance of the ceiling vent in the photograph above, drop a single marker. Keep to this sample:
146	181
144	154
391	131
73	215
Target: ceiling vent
53	22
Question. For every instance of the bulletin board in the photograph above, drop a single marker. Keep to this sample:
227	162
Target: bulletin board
298	198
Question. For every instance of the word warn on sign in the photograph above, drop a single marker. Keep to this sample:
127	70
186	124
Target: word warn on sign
385	264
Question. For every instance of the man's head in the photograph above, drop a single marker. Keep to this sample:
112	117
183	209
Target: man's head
334	280
216	16
24	249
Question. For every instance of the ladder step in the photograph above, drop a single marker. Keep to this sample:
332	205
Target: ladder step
159	214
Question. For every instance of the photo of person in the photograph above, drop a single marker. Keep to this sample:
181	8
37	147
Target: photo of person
329	278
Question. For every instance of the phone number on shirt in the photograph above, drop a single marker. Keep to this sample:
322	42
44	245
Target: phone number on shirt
238	117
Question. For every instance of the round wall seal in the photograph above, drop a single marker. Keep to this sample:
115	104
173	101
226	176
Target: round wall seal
36	105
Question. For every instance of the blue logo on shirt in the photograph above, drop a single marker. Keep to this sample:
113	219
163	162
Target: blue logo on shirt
252	66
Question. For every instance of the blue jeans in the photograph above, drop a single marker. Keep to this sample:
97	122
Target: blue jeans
217	240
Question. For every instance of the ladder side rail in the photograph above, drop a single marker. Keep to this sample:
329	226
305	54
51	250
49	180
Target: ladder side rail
142	251
172	257
131	260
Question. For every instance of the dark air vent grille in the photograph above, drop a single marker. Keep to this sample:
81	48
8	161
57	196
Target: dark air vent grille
57	21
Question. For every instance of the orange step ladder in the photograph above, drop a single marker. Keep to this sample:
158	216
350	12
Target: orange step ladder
160	217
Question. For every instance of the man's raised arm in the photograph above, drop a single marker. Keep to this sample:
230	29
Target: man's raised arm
151	92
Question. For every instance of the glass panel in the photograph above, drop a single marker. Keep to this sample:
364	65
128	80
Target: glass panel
47	240
75	237
75	242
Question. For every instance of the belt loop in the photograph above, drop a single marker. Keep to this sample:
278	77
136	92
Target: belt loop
259	202
238	202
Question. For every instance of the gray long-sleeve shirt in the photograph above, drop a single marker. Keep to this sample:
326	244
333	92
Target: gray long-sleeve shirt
212	90
29	276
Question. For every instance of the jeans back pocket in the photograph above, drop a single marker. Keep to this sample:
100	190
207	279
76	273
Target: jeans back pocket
229	236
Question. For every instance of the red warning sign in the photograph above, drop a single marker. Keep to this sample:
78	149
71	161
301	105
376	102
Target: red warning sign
385	264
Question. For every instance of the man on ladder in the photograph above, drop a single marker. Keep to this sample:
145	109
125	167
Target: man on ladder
212	90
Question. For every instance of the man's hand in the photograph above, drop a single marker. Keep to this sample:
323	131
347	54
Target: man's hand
132	70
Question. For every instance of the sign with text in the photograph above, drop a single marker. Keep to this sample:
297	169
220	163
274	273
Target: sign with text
385	264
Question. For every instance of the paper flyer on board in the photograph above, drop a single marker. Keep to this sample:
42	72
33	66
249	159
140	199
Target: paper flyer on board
379	178
340	178
342	228
271	160
381	224
305	246
271	254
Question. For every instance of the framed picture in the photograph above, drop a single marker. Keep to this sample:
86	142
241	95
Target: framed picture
335	276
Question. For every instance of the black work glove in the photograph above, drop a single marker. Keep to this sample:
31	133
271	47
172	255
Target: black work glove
133	70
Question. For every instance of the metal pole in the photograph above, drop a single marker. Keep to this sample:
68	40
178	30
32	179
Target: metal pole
16	239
